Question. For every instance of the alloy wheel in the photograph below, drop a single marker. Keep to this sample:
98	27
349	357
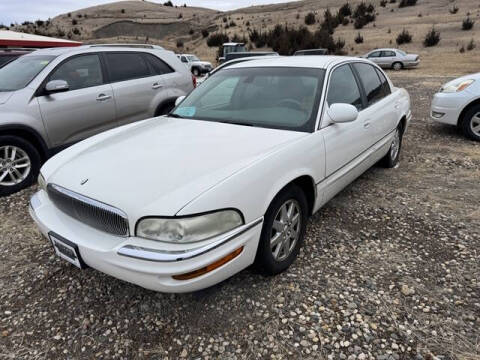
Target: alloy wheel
15	165
475	124
286	230
395	147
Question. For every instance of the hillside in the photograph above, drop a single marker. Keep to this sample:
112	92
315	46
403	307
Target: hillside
142	21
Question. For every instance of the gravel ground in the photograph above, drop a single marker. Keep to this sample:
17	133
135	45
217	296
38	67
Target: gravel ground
390	270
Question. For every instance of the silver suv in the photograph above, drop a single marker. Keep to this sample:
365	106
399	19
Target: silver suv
52	98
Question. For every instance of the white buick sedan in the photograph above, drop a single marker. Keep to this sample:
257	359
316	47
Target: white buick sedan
229	178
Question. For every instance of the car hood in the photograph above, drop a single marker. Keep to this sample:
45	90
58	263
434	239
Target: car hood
4	96
158	166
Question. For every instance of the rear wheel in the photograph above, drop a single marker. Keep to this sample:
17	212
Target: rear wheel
196	72
393	156
19	164
470	124
397	66
283	231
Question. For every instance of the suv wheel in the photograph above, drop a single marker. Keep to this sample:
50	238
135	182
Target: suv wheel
196	72
283	231
397	66
165	109
470	124
19	164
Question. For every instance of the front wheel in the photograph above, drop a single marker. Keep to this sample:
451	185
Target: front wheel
470	124
397	66
196	72
393	156
19	164
283	231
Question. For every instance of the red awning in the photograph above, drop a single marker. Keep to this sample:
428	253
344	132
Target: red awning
17	39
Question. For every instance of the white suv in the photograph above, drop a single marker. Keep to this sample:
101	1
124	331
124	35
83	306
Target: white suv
52	98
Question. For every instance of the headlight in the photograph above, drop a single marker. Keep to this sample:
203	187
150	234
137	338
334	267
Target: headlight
189	229
42	184
457	87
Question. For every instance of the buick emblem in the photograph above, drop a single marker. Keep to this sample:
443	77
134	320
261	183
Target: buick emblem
83	182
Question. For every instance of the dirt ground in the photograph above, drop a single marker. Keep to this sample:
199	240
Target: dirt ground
390	270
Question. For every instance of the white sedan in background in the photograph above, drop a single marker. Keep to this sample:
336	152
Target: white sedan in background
458	103
181	202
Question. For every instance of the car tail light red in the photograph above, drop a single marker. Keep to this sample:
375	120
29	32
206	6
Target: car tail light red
194	81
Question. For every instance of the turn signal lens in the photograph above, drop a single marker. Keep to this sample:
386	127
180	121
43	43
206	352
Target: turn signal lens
208	268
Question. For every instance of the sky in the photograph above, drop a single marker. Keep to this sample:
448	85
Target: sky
12	11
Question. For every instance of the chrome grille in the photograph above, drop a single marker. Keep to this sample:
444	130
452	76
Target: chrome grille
94	213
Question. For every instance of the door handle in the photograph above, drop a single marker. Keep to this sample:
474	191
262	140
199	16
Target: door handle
366	124
157	85
103	97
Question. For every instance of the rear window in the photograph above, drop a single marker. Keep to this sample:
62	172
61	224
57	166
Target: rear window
159	66
126	66
371	82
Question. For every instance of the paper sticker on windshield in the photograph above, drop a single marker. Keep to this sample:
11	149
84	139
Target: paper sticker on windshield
187	111
45	62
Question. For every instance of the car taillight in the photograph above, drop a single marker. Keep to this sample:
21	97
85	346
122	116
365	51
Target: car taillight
194	81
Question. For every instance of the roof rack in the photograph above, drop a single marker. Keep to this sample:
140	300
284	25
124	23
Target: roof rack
141	46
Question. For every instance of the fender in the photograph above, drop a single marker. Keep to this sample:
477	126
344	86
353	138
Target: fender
29	134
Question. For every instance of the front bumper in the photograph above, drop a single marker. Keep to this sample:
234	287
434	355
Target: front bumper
411	64
148	263
446	107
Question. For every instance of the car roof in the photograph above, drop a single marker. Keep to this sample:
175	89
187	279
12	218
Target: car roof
57	51
308	61
385	49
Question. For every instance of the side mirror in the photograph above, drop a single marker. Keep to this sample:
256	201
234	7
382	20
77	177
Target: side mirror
55	86
342	113
179	100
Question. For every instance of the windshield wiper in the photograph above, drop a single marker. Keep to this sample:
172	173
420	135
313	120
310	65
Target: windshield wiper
176	116
235	123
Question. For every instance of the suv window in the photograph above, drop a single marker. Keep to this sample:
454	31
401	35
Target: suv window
374	54
126	66
385	85
80	72
343	88
388	54
371	82
159	66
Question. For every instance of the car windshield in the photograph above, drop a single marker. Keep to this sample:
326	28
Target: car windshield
272	97
193	58
403	53
18	73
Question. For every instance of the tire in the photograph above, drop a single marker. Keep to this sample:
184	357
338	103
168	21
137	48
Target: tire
165	109
265	259
392	158
397	66
196	72
470	124
26	169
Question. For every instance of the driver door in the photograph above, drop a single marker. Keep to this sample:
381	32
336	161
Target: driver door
86	109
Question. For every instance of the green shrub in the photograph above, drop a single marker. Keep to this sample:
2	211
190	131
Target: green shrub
404	37
432	38
310	19
467	24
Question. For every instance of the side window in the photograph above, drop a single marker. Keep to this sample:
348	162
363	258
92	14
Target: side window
159	66
183	59
343	88
80	72
388	54
374	54
126	66
385	85
371	82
